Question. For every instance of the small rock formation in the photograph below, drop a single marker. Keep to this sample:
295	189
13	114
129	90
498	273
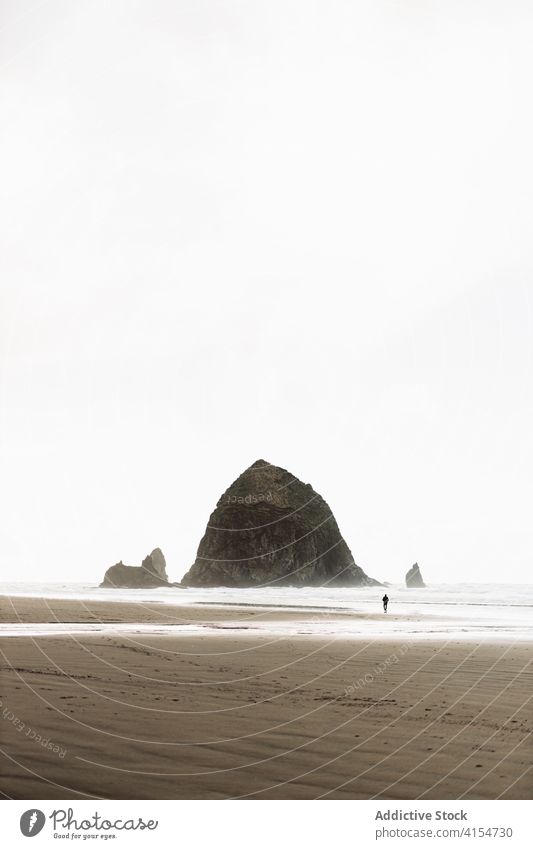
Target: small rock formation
413	577
270	529
152	573
155	564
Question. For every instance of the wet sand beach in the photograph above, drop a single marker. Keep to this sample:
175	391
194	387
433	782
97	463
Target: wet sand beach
234	712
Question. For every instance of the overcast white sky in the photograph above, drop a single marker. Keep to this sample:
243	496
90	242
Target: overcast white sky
298	231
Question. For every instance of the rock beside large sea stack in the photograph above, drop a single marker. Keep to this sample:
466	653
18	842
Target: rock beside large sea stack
413	577
152	573
270	529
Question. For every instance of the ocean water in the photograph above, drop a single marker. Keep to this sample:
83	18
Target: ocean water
464	610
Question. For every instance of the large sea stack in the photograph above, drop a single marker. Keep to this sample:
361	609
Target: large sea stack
151	573
270	529
413	577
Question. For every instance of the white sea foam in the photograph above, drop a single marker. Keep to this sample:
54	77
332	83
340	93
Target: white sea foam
460	611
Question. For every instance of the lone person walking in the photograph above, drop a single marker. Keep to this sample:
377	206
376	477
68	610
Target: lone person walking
385	601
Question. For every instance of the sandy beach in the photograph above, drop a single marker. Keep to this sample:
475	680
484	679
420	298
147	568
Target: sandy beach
233	713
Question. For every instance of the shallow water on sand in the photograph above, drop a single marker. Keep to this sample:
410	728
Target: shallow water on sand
461	610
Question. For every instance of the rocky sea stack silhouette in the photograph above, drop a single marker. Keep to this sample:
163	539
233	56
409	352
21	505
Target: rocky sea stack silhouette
270	529
151	573
413	577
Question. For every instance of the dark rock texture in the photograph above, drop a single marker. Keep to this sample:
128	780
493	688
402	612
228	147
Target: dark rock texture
270	529
413	577
152	573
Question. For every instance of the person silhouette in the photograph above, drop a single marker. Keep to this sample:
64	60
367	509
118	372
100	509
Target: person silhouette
385	601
